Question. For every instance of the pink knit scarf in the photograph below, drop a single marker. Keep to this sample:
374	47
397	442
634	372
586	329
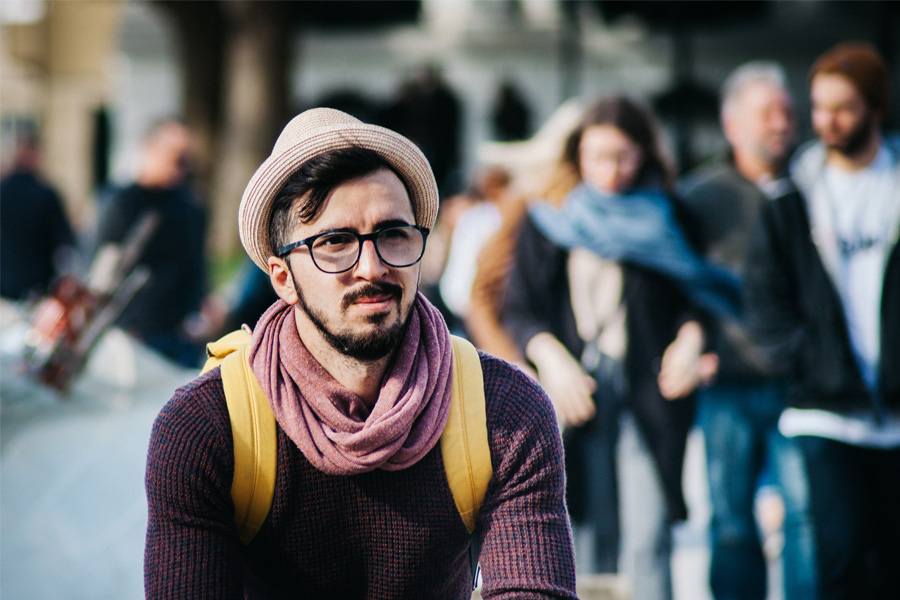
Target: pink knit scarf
331	425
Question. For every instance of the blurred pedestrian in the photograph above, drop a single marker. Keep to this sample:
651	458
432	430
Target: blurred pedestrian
437	252
598	290
35	233
473	228
160	312
534	175
823	294
428	111
739	413
510	114
490	284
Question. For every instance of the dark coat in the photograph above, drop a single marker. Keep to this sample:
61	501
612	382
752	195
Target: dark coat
174	254
795	312
33	228
724	206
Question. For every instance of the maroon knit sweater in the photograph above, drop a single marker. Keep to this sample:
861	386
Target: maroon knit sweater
380	535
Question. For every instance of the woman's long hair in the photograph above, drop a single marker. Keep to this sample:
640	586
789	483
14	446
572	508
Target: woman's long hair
635	121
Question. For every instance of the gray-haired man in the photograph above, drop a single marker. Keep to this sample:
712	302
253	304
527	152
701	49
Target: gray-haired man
739	412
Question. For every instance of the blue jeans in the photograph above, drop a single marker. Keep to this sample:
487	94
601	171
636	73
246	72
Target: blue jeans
855	499
740	428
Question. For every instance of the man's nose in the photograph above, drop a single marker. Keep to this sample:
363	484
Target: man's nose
779	121
370	265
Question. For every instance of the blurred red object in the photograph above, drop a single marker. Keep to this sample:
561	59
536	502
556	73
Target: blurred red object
70	320
59	323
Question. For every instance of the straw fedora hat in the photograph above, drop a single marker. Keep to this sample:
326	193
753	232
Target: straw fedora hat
310	134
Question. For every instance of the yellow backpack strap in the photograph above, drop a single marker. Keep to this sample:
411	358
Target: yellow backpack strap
218	350
254	432
464	441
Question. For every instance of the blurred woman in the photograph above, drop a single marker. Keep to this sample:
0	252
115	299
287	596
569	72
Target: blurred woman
600	288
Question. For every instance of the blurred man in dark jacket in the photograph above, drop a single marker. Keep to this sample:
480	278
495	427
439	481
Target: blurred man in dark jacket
739	413
175	254
34	228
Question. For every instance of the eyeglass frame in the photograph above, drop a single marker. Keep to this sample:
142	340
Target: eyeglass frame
361	239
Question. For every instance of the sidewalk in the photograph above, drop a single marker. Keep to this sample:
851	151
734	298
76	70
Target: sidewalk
72	506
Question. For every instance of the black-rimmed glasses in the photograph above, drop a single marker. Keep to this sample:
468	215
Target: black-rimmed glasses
339	251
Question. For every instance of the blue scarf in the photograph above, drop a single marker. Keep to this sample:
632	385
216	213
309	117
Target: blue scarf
639	227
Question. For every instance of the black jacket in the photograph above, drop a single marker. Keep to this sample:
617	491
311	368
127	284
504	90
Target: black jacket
795	313
723	207
174	254
33	228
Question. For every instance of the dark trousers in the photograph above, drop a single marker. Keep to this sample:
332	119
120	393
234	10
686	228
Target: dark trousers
855	501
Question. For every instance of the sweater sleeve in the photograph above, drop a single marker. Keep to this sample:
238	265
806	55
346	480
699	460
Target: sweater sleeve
192	549
527	549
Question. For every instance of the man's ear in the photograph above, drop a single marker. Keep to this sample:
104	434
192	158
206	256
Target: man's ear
282	280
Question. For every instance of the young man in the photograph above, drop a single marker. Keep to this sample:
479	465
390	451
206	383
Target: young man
823	288
356	366
739	412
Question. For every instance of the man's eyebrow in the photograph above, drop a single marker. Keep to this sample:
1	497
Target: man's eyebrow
350	228
392	223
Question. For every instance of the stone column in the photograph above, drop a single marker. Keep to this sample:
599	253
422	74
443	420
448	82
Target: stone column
77	41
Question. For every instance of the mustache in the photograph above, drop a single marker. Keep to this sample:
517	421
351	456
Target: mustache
372	289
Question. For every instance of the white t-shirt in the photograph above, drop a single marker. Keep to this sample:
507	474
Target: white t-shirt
855	220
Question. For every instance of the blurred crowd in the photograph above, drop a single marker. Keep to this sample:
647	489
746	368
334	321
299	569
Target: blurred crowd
756	297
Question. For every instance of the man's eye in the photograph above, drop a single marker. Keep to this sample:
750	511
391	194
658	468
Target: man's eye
336	239
395	233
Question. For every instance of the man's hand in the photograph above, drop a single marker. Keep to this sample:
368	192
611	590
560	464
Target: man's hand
684	365
563	378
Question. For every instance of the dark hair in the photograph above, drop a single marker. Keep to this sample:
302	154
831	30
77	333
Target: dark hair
636	122
303	195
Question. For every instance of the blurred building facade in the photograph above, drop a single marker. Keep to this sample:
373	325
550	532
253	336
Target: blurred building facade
56	75
94	74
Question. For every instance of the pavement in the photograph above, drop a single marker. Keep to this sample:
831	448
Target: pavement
72	507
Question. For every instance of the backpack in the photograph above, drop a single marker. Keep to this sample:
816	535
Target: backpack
464	441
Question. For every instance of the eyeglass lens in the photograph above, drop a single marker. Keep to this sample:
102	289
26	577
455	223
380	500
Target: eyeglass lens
396	246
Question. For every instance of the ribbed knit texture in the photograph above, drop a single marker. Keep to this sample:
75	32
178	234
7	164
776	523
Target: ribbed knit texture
378	535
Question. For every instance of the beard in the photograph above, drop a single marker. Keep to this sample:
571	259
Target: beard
857	139
367	346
